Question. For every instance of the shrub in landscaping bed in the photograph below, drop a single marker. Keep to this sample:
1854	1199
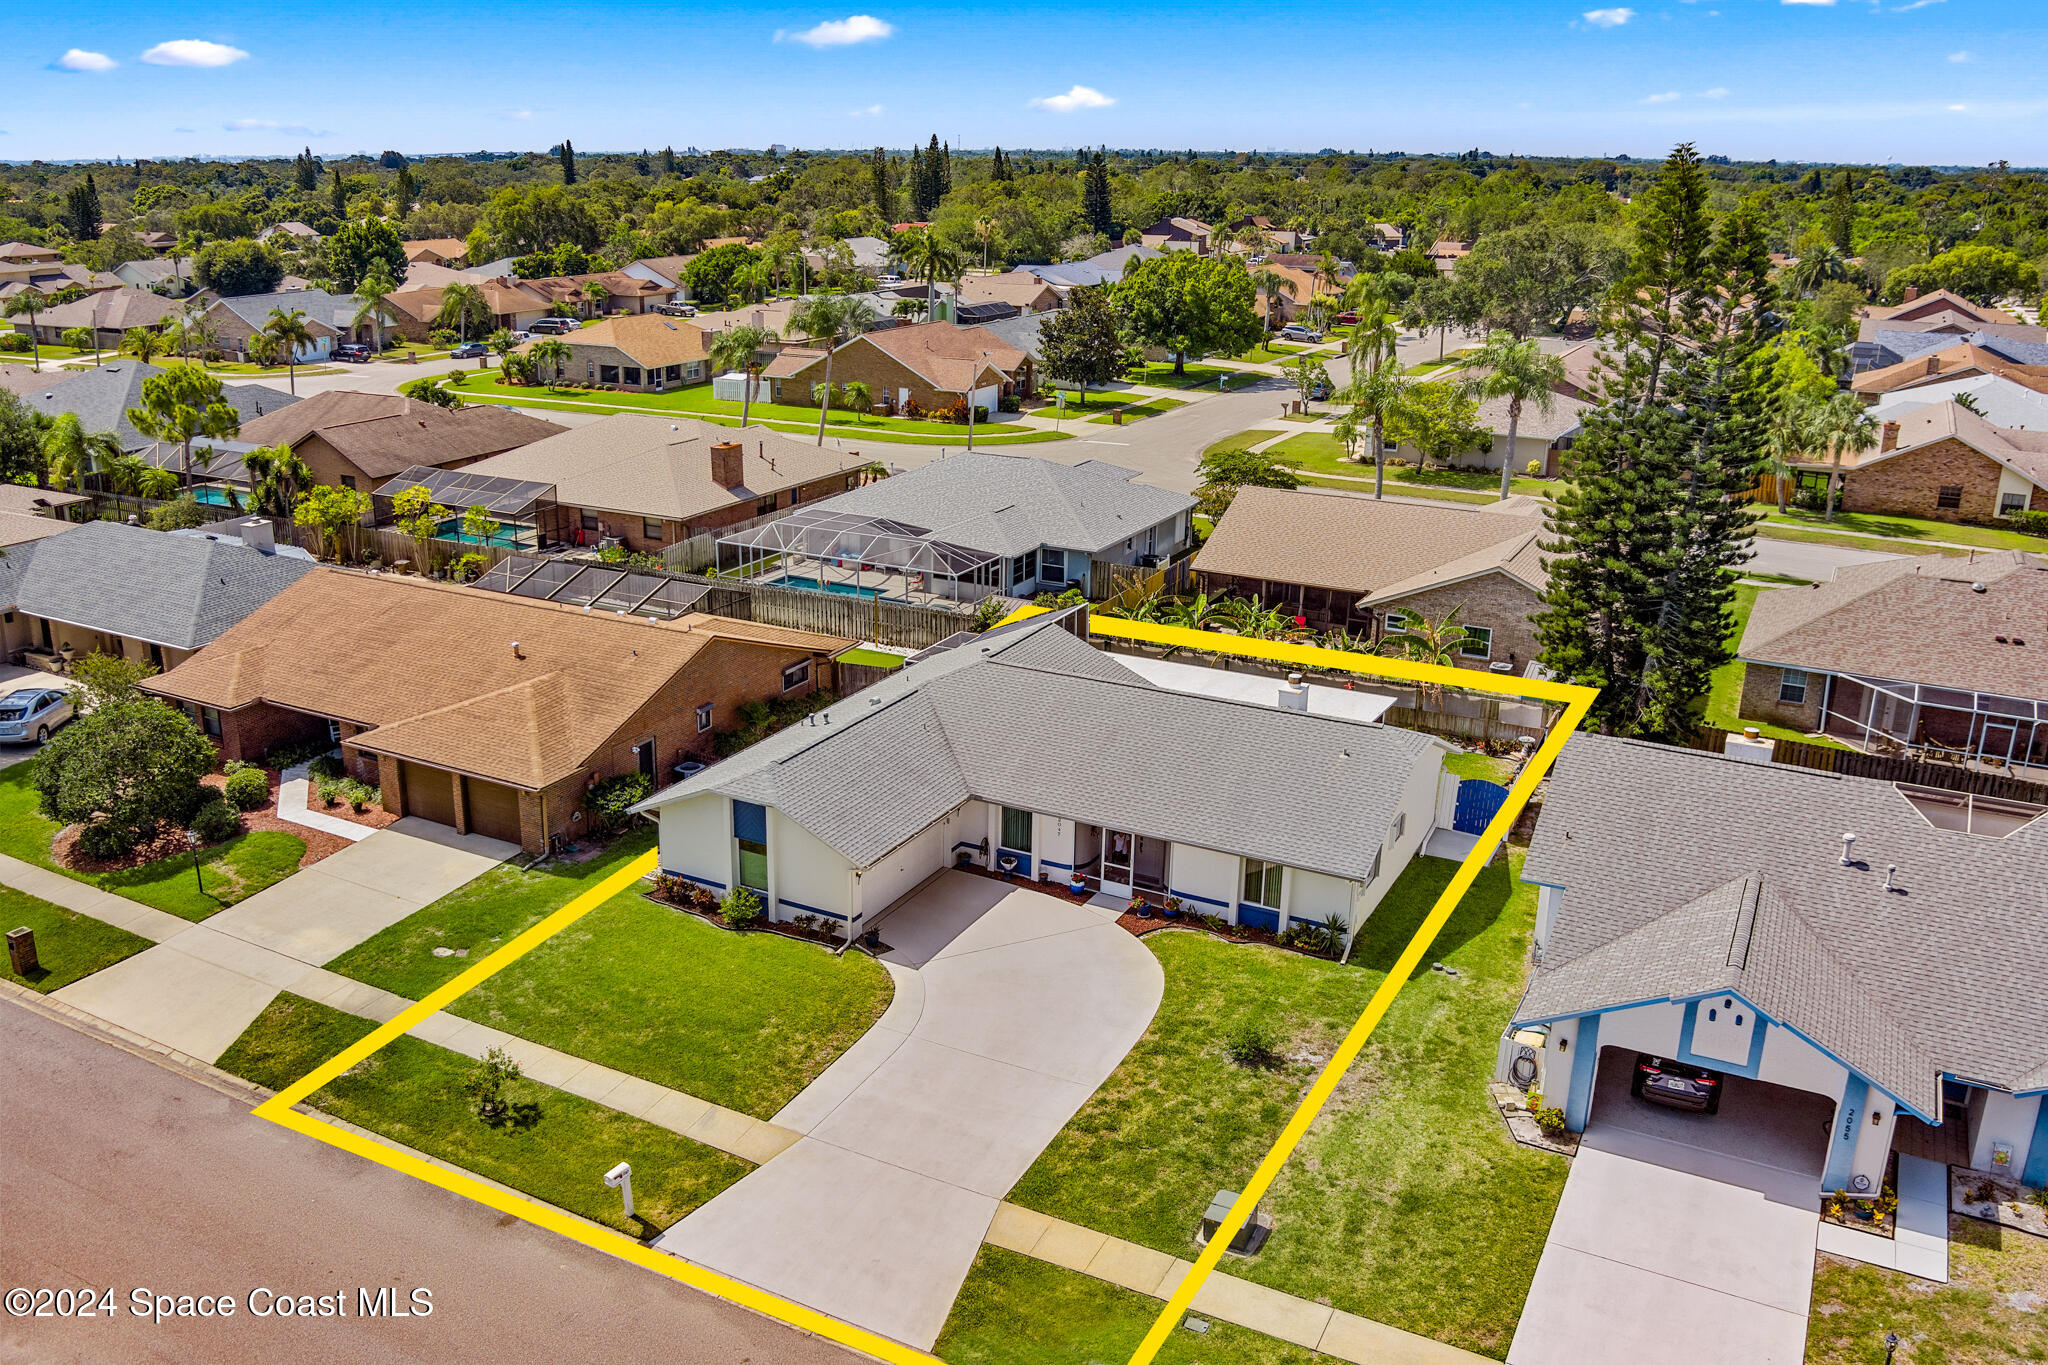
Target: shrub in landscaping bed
326	766
611	801
739	908
248	789
216	822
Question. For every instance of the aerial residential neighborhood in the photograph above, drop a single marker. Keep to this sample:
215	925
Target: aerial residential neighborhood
1015	690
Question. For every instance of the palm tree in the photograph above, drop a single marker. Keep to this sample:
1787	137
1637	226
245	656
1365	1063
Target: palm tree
70	452
1791	431
288	332
985	233
459	303
1424	641
1842	424
755	280
1521	372
739	348
596	295
276	478
1273	285
142	343
1817	265
1329	273
1378	396
920	252
29	301
860	396
551	354
832	319
504	343
1373	338
371	291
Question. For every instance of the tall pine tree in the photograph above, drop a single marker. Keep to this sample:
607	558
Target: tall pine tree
338	192
306	171
878	182
668	161
944	182
918	183
1095	194
1842	214
1001	169
568	162
1655	513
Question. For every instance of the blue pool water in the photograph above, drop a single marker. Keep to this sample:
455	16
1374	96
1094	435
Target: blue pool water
842	589
511	535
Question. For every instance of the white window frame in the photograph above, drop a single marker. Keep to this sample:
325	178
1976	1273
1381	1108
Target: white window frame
704	717
1484	635
1786	686
1276	872
2009	503
796	675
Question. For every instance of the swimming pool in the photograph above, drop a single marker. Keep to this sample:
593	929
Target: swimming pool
213	495
510	536
842	589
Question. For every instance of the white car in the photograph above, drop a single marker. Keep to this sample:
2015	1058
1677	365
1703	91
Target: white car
32	713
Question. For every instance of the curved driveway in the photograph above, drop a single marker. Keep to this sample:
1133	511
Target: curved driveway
1011	1008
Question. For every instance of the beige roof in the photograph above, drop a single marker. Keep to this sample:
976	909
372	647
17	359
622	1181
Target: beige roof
384	433
2019	449
668	267
19	528
1020	287
1952	362
1565	415
21	497
26	379
1372	548
1937	301
650	338
951	359
113	309
1918	619
648	466
431	668
27	251
445	247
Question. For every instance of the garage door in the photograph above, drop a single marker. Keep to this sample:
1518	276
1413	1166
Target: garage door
493	809
429	792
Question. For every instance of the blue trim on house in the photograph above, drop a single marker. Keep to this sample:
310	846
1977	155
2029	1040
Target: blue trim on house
750	822
1759	1024
1842	1136
2035	1171
701	881
1585	1067
1191	896
1258	917
975	845
1023	859
788	904
1064	867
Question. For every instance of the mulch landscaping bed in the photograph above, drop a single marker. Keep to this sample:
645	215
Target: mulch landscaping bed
764	925
171	842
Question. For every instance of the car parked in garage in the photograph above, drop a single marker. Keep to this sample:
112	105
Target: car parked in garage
1663	1081
32	713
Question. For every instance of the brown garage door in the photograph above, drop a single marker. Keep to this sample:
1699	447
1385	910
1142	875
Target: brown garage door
429	792
493	809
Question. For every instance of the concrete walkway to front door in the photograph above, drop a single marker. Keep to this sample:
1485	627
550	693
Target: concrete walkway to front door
1011	1008
204	983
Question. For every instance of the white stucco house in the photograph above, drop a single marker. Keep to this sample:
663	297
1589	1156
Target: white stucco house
1716	912
1029	751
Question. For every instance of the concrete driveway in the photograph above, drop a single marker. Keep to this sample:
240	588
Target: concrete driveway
1687	1239
202	985
1011	1007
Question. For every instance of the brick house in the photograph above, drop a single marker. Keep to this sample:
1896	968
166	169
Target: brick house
1945	462
360	440
1963	360
934	364
513	307
526	706
651	481
1355	564
623	293
644	353
1918	652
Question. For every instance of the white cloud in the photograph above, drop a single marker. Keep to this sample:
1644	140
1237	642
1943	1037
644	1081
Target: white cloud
1664	98
871	111
1916	4
1080	97
1609	18
522	115
1959	56
77	59
1716	93
269	125
193	52
1957	108
1806	2
859	28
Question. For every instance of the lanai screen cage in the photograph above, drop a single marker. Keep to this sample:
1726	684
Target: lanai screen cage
1937	724
525	509
823	550
600	587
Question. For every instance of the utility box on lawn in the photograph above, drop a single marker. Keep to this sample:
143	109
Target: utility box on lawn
1250	1238
21	952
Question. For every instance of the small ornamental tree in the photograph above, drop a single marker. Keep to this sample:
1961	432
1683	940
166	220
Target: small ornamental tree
484	1085
414	511
1082	344
122	771
333	512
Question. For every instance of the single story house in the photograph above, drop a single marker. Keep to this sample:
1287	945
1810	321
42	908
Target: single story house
100	398
1024	525
486	711
292	230
330	318
29	514
1964	359
29	252
451	252
667	271
1177	234
869	255
1998	401
933	364
359	440
166	275
1028	751
108	312
1893	974
109	588
645	353
1275	237
52	277
1947	463
1021	289
1920	652
1104	268
1447	253
1353	563
623	293
650	481
1387	237
513	307
1541	437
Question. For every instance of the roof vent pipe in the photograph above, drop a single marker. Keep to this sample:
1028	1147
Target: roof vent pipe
1977	587
517	655
1890	874
1848	850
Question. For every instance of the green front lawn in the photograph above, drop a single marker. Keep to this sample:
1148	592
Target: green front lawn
1724	689
1407	1203
481	917
1075	405
1161	376
68	945
1989	1312
1270	352
1014	1310
696	401
1909	529
742	1020
1778	531
1244	440
555	1146
233	871
1356	483
1320	452
1139	411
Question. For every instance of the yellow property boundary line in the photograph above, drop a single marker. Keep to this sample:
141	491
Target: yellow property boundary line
279	1109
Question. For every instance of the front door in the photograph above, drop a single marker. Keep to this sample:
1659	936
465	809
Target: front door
1117	850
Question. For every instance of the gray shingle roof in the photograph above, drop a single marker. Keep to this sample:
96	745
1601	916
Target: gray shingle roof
176	591
1685	873
1035	720
1106	268
101	398
336	310
1007	504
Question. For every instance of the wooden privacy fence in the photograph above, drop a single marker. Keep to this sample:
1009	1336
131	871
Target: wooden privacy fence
904	625
384	544
1123	586
1850	763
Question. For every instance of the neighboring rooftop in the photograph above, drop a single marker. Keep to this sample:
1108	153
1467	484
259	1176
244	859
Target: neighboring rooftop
100	398
1997	400
1106	268
383	433
650	338
112	310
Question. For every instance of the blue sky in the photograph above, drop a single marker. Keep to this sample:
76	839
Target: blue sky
1935	81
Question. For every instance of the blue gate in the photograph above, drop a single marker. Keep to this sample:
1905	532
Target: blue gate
1478	799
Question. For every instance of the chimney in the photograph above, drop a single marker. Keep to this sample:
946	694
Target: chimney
258	534
1934	364
1750	747
1912	292
726	468
1294	694
1888	437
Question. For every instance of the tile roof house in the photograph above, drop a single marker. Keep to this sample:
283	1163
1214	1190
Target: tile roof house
642	353
116	589
1926	653
1895	976
100	398
1946	462
109	312
1027	750
444	251
935	364
486	711
1355	563
653	481
359	440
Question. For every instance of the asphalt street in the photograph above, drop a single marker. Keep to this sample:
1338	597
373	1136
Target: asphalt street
122	1174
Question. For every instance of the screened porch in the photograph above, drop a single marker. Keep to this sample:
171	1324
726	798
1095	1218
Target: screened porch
1937	724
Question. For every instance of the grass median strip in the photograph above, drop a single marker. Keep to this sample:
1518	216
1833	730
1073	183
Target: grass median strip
68	945
552	1145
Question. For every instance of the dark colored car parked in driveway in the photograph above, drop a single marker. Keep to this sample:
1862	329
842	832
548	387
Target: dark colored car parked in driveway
353	351
1663	1081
